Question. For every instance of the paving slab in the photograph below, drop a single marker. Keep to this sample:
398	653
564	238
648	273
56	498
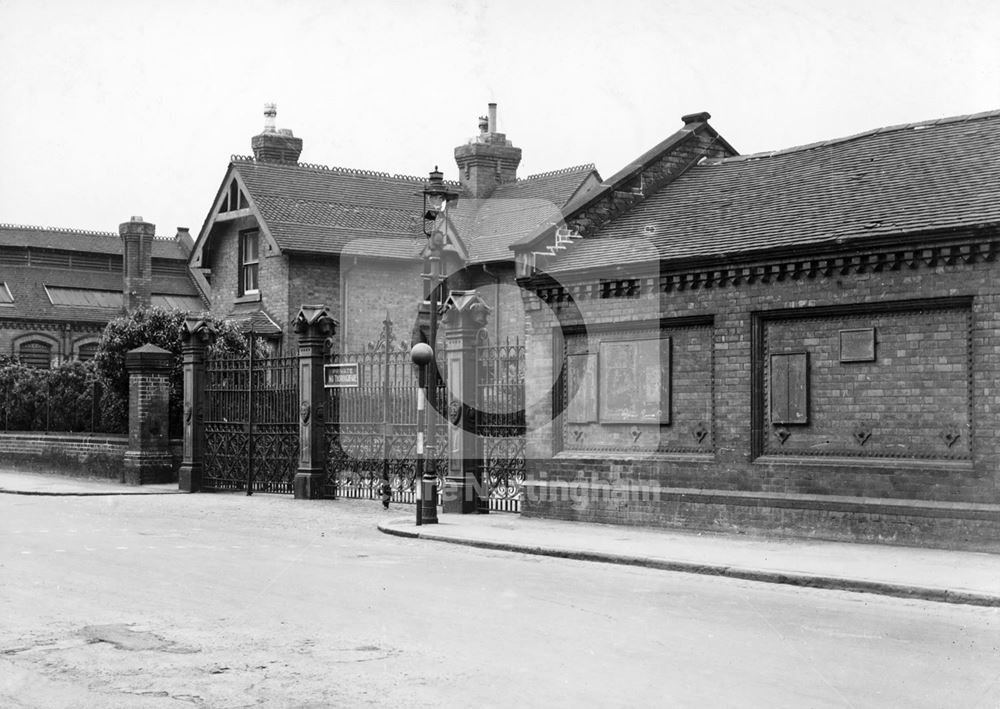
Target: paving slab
909	572
15	482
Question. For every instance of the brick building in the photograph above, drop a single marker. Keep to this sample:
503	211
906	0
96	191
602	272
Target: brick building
60	287
803	341
281	233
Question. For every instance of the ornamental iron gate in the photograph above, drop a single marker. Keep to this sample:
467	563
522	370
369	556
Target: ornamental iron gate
500	424
251	423
371	428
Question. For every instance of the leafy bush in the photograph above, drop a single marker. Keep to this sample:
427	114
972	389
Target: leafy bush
57	399
161	328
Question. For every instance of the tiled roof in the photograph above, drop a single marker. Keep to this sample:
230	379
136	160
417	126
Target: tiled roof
320	210
97	242
314	209
514	210
892	181
30	300
256	319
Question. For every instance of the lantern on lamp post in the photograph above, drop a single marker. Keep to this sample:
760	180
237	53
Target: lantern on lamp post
437	197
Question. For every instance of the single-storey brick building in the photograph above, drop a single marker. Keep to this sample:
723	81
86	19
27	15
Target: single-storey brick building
59	288
805	341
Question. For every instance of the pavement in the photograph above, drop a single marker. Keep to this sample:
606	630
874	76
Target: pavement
947	576
908	572
22	483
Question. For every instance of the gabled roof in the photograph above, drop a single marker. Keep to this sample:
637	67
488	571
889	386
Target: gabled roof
83	241
884	183
319	210
315	209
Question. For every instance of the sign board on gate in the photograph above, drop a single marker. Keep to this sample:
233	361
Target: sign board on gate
341	376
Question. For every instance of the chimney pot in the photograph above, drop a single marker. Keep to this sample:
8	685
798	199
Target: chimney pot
274	145
270	115
696	117
487	160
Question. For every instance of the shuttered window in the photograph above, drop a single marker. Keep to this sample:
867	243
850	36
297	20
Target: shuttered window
790	388
35	354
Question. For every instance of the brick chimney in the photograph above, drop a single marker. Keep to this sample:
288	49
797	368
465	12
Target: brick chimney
273	144
487	160
137	261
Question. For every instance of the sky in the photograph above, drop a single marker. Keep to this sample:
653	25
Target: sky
116	108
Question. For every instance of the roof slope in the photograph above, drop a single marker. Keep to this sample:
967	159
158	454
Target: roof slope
98	242
891	181
27	286
314	209
516	209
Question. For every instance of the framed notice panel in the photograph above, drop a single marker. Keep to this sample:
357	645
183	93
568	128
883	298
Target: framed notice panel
857	345
341	376
634	377
581	371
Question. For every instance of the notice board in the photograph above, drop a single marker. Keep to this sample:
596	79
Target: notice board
634	380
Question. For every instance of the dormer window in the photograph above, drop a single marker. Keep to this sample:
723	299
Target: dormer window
249	262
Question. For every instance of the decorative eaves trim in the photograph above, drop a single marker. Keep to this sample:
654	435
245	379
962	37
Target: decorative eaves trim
550	291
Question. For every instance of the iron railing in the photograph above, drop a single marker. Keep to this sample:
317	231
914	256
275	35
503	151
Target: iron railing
371	428
251	423
501	421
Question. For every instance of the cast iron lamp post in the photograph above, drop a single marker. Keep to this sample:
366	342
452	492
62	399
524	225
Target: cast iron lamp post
437	197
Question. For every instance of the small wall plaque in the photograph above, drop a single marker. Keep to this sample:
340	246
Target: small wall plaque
341	376
857	345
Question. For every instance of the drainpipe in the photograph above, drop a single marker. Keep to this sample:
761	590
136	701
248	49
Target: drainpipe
496	305
342	307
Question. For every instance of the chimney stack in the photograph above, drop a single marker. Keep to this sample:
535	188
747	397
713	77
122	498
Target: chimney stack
487	160
274	145
184	238
137	263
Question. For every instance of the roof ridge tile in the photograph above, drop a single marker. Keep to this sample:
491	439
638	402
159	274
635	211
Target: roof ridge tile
562	171
61	230
356	172
857	136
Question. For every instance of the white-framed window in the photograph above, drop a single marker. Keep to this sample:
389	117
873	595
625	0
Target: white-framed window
249	262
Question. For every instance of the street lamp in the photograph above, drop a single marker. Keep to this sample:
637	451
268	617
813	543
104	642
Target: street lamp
437	197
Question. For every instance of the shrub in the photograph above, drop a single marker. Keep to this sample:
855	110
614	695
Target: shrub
57	399
161	328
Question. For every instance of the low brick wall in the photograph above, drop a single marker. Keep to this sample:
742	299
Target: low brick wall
77	454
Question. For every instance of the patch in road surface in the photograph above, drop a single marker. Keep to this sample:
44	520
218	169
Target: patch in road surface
123	637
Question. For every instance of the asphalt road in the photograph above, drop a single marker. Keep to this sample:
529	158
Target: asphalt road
228	601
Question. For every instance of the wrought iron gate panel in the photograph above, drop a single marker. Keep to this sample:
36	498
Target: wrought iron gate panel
371	429
251	423
501	423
